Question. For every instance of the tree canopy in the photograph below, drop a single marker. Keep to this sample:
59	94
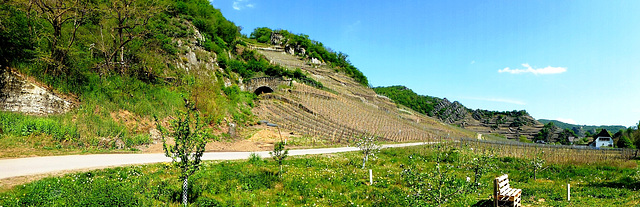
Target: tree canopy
314	49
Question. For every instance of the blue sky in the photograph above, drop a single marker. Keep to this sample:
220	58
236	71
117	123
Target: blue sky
576	61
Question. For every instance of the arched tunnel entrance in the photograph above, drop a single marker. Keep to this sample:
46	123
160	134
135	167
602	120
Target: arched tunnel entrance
263	89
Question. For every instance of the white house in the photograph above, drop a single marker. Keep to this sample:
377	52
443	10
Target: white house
603	139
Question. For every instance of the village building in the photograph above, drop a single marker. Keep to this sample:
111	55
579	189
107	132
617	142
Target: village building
603	139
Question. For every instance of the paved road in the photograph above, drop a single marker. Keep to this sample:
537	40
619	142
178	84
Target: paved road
41	165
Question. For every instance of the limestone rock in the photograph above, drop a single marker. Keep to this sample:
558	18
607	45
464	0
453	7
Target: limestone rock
18	94
315	61
290	50
276	38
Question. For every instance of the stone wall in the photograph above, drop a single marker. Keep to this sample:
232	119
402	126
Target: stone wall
18	94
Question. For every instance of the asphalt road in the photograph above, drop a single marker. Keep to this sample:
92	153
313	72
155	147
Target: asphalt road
41	165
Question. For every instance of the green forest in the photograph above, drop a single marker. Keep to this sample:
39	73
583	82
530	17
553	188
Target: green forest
406	97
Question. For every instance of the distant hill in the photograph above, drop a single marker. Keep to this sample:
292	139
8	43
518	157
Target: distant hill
510	124
580	130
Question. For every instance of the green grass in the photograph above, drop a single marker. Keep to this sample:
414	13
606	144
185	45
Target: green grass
329	180
96	124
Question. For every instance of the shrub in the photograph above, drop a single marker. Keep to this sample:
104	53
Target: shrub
278	154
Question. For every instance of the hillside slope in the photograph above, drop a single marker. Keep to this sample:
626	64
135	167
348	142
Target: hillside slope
511	124
175	52
343	109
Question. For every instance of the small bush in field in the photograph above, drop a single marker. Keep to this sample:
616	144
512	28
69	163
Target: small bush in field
437	186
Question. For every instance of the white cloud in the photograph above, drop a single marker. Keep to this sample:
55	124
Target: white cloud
241	4
568	121
473	62
500	100
536	71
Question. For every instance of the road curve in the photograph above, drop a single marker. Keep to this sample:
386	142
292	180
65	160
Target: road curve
41	165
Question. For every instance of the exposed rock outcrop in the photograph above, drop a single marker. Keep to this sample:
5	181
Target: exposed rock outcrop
450	112
276	38
19	94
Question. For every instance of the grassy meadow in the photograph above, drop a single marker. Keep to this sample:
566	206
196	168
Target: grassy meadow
401	177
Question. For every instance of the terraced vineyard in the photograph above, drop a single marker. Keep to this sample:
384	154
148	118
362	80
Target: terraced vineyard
343	110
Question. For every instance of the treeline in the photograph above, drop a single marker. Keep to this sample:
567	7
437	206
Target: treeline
405	96
65	42
314	49
623	138
582	130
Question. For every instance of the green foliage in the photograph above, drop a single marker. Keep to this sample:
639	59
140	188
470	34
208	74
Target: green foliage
314	49
144	83
537	164
524	139
240	103
545	133
563	137
261	34
255	159
255	65
406	97
369	146
328	180
207	19
16	44
481	163
425	104
190	140
21	125
437	186
625	142
279	153
585	128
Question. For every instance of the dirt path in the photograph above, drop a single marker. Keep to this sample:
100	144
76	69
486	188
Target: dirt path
16	171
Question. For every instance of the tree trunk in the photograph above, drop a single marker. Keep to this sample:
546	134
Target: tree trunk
185	187
364	160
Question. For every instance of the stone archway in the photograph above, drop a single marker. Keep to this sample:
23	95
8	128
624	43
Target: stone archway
263	89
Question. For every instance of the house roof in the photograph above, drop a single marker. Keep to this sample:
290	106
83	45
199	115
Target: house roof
603	133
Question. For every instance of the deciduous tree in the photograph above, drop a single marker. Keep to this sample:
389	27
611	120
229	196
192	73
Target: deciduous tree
278	154
189	144
123	22
368	146
59	13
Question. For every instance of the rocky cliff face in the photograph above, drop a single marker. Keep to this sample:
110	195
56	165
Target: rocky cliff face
21	95
450	112
511	124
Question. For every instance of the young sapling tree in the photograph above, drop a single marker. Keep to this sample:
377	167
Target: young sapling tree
368	146
435	187
190	140
537	163
481	164
278	154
